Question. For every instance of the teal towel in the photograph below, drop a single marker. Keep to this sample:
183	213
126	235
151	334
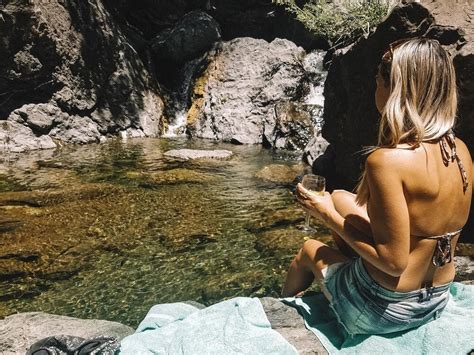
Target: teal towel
451	333
236	326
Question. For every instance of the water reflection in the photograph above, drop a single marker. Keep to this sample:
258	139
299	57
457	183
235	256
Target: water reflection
106	231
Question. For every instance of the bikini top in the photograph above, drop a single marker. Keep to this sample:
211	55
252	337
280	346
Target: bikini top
442	253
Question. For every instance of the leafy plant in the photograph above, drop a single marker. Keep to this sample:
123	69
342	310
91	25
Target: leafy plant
341	21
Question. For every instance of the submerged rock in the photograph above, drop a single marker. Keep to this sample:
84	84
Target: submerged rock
280	173
175	176
192	154
19	331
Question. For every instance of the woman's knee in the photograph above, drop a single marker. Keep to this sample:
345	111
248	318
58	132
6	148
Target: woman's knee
342	194
309	250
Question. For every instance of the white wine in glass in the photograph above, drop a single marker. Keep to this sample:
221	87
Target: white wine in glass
315	184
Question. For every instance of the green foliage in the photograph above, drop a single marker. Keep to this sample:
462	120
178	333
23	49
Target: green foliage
340	22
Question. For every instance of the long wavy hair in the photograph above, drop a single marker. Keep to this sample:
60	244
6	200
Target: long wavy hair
422	102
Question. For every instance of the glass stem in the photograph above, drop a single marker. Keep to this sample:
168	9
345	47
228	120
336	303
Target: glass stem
308	218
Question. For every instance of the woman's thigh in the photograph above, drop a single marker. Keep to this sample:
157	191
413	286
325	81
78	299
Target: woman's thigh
345	204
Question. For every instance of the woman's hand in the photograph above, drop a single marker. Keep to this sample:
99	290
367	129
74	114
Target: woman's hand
319	206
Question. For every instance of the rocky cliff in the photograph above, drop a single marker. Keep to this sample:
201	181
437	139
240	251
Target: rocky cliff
68	74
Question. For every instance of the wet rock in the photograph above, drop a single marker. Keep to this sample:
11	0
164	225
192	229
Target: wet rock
266	73
272	242
193	35
294	125
351	118
19	331
175	176
192	154
280	173
77	73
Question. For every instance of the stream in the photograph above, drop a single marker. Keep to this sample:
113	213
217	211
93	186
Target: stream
108	230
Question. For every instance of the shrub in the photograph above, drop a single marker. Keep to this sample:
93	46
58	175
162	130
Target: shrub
342	21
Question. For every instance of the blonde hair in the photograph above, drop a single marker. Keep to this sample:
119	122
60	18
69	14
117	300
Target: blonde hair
423	100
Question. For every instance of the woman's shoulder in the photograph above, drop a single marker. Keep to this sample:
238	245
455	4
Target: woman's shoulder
387	157
461	146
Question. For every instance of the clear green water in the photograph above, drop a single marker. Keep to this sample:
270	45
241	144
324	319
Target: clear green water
106	231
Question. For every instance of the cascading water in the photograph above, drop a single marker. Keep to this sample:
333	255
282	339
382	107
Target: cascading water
313	65
180	99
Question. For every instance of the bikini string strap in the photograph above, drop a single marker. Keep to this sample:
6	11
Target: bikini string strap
449	154
442	253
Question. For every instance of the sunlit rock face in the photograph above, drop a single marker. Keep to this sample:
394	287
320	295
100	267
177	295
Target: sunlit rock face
68	73
351	118
235	97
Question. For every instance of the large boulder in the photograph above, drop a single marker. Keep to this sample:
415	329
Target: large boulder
150	17
262	19
191	37
19	331
351	118
235	96
67	72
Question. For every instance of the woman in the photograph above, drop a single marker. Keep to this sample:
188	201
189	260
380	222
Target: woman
416	188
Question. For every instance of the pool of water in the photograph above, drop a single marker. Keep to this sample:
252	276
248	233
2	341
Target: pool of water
106	231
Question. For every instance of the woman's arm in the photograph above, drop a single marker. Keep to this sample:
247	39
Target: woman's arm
387	248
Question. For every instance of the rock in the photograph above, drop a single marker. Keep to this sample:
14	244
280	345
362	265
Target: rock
16	137
191	37
262	19
192	154
40	118
78	130
351	118
19	331
175	176
464	268
152	16
70	70
294	125
315	148
235	96
290	324
280	173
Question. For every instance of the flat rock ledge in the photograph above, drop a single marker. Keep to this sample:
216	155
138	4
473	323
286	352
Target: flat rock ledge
19	331
193	154
288	322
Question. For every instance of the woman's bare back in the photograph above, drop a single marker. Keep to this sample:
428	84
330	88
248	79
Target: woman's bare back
436	205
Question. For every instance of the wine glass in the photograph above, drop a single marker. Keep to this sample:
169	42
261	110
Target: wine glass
316	184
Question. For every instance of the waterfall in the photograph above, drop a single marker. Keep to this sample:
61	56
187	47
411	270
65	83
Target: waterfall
178	126
180	99
313	65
